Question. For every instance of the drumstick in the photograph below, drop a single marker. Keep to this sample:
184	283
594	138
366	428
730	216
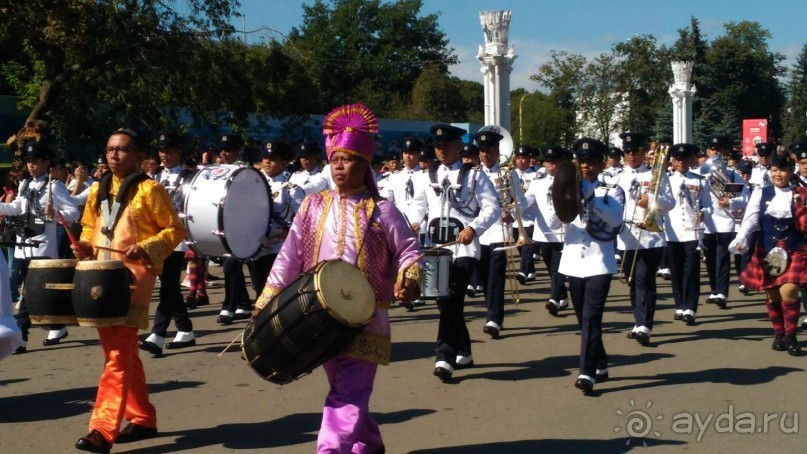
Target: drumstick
231	343
445	245
110	249
70	235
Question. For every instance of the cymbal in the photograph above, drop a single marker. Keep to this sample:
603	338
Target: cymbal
566	192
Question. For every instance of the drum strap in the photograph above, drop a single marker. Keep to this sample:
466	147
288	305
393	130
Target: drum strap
110	212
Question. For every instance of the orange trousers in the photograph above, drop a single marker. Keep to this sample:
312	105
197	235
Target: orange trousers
122	390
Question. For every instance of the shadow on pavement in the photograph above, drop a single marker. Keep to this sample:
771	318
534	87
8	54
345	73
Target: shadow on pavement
727	376
550	446
65	403
288	430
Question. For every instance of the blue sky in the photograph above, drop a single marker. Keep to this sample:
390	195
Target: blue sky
587	27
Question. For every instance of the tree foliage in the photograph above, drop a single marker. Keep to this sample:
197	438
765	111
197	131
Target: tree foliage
795	122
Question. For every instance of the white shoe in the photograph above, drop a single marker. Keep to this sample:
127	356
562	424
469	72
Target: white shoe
185	283
156	340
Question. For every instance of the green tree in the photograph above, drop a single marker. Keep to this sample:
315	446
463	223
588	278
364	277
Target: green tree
543	122
356	47
741	78
692	46
601	103
562	78
436	97
473	97
795	122
643	76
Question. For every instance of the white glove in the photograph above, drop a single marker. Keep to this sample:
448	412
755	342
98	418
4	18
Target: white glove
587	189
738	246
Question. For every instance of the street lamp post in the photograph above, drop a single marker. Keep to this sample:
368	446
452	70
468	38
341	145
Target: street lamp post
521	118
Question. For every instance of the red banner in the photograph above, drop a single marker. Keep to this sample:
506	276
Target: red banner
754	131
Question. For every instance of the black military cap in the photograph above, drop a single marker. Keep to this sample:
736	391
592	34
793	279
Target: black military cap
101	159
765	149
631	141
535	152
277	148
442	133
35	150
717	141
555	153
736	154
469	149
588	148
614	152
412	145
169	139
308	148
427	153
683	150
524	151
743	166
486	139
782	160
229	141
800	149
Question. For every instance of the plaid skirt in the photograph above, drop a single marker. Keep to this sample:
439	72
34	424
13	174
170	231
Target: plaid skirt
755	278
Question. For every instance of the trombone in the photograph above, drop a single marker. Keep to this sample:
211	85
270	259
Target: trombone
510	200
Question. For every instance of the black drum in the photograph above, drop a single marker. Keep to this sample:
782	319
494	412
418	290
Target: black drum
101	295
309	322
47	289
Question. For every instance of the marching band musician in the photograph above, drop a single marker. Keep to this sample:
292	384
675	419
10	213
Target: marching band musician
466	197
683	230
549	241
355	224
521	161
492	263
613	166
643	247
761	174
588	258
236	304
308	155
171	306
719	223
33	211
800	150
287	198
470	154
146	230
779	263
393	162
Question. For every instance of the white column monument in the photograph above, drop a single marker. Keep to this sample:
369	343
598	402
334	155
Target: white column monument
681	92
497	64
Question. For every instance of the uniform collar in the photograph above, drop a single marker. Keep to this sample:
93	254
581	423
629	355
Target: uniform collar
173	170
454	166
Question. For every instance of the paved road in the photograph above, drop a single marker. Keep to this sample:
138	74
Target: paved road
693	388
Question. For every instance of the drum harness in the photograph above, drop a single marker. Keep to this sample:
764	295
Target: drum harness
111	210
451	197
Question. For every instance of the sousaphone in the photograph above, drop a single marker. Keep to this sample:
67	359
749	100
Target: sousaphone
566	197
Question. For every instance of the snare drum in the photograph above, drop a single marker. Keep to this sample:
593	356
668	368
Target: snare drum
309	322
47	289
436	263
227	211
101	295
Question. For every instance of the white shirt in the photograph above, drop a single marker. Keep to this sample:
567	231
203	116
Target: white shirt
500	232
584	255
169	179
526	177
287	198
315	181
396	189
484	201
760	177
691	195
39	194
721	220
779	207
539	198
634	182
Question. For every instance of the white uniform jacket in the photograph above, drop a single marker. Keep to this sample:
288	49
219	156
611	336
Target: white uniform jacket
634	182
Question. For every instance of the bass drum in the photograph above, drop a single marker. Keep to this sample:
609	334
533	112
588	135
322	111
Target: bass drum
226	212
309	322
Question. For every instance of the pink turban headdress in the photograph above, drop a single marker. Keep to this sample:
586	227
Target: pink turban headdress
351	129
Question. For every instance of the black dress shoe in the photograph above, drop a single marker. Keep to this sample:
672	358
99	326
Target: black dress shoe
720	302
442	373
224	320
804	325
491	331
631	335
470	292
603	377
779	343
20	350
793	348
182	344
135	432
190	303
242	315
522	278
689	319
202	300
642	338
93	442
552	308
584	385
678	316
150	347
464	366
54	341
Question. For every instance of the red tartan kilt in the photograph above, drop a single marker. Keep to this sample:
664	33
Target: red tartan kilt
754	277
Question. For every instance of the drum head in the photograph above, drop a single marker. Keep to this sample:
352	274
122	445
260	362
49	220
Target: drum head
345	292
246	212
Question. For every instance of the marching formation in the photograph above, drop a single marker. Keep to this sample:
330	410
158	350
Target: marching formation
331	248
